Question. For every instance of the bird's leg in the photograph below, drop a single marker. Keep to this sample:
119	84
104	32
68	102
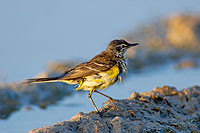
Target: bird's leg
104	95
112	100
90	97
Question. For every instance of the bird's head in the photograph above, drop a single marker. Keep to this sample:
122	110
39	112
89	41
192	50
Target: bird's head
119	47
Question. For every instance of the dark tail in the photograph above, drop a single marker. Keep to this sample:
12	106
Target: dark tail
41	80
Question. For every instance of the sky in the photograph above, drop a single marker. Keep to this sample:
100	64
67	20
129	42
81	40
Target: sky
34	33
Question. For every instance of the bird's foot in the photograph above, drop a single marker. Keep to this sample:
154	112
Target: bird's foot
113	100
97	112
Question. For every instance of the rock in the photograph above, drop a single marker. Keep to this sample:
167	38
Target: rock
187	64
176	37
164	109
183	31
14	95
8	101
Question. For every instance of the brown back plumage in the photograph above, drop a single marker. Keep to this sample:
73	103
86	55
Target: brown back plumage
102	62
100	72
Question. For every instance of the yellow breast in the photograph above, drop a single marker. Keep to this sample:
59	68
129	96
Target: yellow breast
110	74
100	81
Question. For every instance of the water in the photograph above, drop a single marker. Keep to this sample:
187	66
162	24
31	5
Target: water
33	33
23	121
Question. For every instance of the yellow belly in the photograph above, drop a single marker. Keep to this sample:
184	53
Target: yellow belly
100	81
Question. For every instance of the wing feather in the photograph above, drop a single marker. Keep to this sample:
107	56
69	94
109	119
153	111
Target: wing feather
102	62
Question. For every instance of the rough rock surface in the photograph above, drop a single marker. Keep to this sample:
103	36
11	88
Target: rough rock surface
161	110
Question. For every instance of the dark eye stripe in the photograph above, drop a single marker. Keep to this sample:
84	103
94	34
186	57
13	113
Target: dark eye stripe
118	48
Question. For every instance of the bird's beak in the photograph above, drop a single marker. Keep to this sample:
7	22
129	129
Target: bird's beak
133	44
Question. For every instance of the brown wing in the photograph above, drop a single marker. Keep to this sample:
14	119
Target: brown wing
101	62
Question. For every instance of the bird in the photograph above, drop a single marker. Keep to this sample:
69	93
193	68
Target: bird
98	73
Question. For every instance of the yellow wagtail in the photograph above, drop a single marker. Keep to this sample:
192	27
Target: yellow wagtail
97	74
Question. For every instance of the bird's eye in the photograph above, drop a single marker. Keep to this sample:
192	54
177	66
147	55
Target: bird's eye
123	46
